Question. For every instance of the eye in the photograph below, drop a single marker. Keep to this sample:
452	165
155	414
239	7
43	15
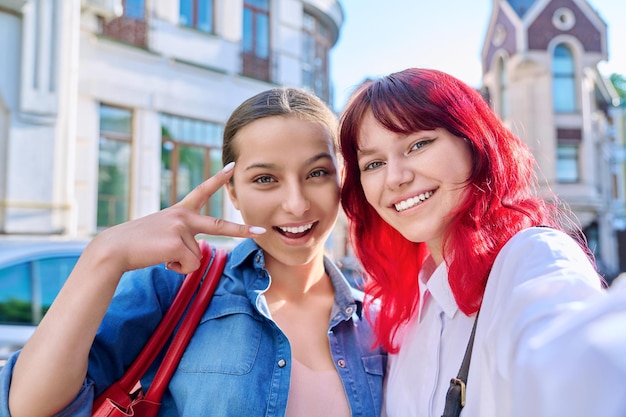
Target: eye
263	179
372	165
318	173
420	144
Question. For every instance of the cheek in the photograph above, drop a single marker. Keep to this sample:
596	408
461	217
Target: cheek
371	192
329	195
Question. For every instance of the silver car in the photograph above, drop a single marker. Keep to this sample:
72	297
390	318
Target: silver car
32	271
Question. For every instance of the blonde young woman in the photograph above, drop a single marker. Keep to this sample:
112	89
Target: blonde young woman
283	334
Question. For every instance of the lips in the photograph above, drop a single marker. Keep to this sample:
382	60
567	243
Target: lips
413	201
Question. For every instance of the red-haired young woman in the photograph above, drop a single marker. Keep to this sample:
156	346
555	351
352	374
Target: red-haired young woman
446	221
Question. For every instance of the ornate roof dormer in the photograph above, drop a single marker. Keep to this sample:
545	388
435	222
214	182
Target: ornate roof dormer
521	6
520	26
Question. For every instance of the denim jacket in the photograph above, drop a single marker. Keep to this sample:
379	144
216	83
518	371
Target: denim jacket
238	362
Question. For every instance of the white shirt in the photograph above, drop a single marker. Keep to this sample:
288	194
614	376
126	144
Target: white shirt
538	276
589	350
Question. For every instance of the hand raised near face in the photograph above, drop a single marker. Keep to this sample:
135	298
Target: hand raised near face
169	235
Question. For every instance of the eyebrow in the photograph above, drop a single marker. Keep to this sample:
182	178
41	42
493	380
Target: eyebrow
313	159
364	152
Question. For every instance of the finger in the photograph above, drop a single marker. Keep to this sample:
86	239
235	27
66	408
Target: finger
201	194
189	259
215	226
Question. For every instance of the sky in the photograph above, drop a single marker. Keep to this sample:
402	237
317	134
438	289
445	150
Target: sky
383	36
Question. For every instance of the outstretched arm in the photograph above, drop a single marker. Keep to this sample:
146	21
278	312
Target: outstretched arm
52	366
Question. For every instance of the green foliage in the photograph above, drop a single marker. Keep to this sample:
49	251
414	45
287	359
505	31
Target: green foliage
619	82
15	311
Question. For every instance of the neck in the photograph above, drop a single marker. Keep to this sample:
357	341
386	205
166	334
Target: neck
292	282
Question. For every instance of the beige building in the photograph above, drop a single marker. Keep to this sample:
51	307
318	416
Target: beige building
540	72
113	109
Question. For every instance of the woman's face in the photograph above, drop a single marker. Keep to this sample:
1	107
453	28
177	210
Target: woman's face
286	180
414	181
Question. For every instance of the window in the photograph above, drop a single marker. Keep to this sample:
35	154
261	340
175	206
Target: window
316	47
198	14
563	19
135	9
27	289
521	6
131	26
563	80
504	93
567	168
256	39
114	166
592	236
191	153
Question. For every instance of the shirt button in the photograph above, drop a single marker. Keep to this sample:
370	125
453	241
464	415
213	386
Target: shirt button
341	363
282	363
349	310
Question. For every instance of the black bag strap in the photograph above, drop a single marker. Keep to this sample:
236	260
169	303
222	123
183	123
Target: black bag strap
455	398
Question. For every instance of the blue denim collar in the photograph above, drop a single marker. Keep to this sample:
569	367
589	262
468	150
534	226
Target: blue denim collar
346	297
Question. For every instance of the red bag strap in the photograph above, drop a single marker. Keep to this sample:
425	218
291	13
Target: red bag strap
206	277
211	278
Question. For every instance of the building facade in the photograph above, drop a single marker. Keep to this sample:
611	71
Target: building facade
540	73
618	164
113	109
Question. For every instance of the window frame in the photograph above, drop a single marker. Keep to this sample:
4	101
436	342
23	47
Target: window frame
175	141
195	9
255	62
116	137
560	160
564	79
316	45
503	89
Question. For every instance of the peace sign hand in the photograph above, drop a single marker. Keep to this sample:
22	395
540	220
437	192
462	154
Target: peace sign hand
169	235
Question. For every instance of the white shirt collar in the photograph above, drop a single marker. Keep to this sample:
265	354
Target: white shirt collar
438	287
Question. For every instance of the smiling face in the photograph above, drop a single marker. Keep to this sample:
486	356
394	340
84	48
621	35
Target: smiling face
414	182
286	180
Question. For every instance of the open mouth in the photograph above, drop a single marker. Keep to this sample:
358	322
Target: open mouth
296	231
413	201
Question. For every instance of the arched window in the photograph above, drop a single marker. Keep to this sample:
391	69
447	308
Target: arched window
563	80
504	93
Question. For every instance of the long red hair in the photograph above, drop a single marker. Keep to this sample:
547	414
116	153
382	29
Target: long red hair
503	198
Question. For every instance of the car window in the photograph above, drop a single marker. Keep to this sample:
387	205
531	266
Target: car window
15	294
28	289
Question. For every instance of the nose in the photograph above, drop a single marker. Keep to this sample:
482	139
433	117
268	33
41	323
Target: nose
296	201
399	173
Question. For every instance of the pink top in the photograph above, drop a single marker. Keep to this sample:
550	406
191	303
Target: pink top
316	393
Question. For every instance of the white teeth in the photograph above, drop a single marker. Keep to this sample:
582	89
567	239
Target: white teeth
298	229
413	201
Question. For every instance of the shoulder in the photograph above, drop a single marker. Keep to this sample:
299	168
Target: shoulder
539	261
541	235
154	282
539	275
541	245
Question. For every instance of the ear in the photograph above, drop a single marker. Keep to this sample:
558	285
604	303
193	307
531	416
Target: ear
232	194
